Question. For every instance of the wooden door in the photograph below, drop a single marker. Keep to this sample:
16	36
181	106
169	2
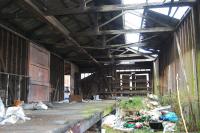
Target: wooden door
39	68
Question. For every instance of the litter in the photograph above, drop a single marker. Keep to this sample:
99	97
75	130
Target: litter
96	97
13	114
2	109
132	115
170	116
64	101
138	125
109	121
35	106
169	127
41	106
156	125
152	97
129	124
164	108
154	115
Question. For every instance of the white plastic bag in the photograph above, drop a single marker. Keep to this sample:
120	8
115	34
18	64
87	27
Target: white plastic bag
35	106
109	121
41	106
2	110
13	114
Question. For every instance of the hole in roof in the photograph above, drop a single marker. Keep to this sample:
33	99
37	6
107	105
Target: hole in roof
176	12
181	12
164	10
133	21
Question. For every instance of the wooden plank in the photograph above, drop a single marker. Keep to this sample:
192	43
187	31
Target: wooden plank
127	92
39	69
124	31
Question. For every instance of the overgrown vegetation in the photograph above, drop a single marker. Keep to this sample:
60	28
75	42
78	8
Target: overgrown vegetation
135	103
111	130
190	109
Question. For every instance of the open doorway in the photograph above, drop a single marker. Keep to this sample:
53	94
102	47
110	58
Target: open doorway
67	80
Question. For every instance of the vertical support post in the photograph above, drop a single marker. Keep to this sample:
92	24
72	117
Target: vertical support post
7	87
19	89
96	21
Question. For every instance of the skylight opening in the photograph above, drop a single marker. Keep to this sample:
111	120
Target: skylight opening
173	10
133	19
85	75
181	12
132	38
175	13
164	10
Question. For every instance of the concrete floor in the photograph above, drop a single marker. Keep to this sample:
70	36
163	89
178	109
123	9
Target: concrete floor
77	117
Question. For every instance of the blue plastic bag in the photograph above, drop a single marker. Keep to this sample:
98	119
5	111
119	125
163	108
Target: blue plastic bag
171	116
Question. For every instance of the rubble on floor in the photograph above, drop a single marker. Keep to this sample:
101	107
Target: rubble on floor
139	113
12	114
35	106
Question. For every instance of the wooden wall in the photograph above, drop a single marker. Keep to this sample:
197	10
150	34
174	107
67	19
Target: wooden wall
106	81
39	72
56	78
25	71
13	66
178	69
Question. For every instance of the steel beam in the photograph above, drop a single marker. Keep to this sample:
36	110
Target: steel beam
110	8
54	22
124	31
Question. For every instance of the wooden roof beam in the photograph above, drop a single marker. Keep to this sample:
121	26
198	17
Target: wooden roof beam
54	22
124	31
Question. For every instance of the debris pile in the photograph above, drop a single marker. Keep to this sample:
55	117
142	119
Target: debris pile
142	113
11	115
35	106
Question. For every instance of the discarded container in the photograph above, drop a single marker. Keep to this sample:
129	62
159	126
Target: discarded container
138	125
156	125
129	124
170	116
